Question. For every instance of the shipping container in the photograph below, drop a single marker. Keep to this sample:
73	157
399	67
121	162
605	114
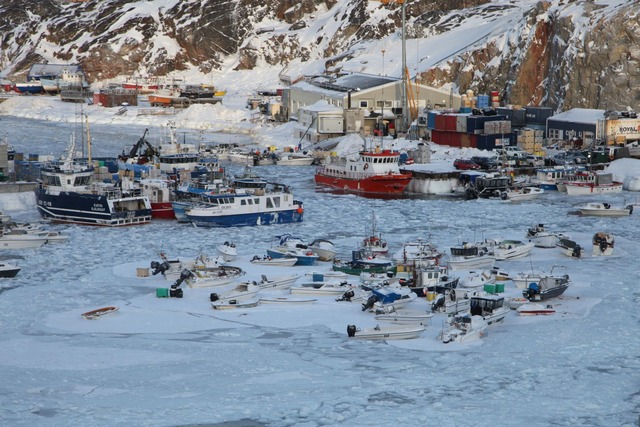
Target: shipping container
461	123
475	123
538	115
450	122
440	137
482	101
431	119
490	142
440	122
455	139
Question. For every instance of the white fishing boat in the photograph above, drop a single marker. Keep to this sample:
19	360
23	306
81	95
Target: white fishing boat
469	257
491	308
511	249
463	328
541	237
387	332
521	194
12	239
605	209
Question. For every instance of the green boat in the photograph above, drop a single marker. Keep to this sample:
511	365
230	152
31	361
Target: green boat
363	262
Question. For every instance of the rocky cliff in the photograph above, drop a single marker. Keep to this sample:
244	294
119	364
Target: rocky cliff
562	54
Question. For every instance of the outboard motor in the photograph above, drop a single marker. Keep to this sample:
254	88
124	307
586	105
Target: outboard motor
438	303
159	267
351	330
213	297
370	302
347	296
577	251
184	275
175	293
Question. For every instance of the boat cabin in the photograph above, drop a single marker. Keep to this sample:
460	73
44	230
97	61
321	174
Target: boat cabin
484	305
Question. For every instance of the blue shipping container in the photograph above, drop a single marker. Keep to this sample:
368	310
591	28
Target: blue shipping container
482	101
431	119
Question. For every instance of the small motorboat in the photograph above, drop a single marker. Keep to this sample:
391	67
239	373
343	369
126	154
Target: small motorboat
533	309
278	282
228	251
333	288
602	244
99	312
240	292
405	317
605	209
463	328
289	261
8	270
390	332
541	237
234	303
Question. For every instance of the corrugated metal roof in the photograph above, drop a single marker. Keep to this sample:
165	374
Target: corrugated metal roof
38	70
351	82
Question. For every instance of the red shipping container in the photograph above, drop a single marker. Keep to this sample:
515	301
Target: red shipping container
451	122
455	139
440	122
473	141
440	137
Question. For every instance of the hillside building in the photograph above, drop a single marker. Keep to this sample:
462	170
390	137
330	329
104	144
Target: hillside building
378	97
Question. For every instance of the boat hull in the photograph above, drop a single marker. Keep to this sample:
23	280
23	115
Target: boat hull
246	219
162	210
91	209
584	189
375	184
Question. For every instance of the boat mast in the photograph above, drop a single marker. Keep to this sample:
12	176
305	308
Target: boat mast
88	139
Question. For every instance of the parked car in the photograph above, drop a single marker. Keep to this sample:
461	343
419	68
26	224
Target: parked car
533	161
465	164
486	163
568	159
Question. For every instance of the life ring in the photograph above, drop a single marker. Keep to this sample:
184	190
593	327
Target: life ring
366	166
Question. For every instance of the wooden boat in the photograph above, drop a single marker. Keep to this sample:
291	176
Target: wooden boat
533	309
605	209
391	332
99	312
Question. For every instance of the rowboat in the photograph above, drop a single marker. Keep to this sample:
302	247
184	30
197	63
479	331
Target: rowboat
99	312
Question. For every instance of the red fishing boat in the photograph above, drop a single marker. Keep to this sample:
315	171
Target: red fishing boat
372	172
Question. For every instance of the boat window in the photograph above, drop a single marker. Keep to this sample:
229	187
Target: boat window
256	201
243	202
276	201
269	203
